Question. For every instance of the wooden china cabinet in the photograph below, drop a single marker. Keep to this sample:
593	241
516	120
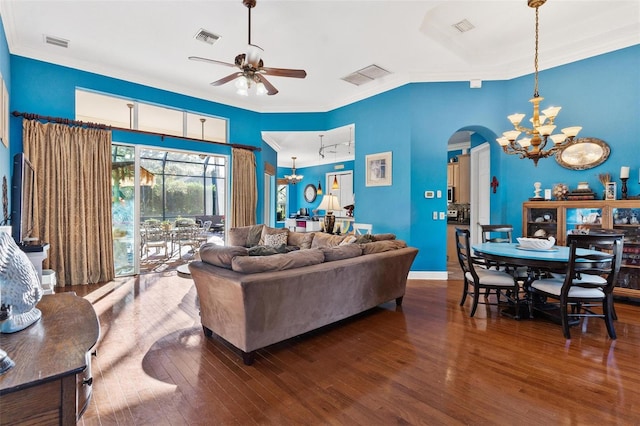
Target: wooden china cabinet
556	218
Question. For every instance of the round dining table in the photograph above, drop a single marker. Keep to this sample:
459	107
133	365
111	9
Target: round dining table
555	259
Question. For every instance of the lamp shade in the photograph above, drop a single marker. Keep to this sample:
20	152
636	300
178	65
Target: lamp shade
329	203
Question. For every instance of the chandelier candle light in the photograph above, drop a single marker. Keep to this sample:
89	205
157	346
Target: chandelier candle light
532	146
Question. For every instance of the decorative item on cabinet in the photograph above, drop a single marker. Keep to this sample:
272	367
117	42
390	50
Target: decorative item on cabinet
560	191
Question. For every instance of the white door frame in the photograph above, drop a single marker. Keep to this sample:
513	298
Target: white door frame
480	189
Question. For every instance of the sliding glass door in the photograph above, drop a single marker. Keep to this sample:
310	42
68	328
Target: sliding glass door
159	186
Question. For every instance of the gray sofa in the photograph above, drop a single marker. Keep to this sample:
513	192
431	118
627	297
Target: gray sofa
255	301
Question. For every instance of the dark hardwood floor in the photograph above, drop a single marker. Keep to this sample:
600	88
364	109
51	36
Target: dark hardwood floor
424	363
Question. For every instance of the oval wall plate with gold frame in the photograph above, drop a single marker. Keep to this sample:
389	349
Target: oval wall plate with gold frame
583	154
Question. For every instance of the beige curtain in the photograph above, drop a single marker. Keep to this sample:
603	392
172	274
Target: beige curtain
73	203
244	188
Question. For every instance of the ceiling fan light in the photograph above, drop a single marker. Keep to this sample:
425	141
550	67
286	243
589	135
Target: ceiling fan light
261	89
241	83
242	92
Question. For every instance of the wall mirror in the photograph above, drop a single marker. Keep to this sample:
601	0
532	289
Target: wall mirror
583	154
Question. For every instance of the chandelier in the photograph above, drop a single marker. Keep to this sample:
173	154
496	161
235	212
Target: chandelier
293	178
533	145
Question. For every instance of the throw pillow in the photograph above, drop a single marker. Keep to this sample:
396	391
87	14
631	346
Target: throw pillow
275	240
220	255
266	230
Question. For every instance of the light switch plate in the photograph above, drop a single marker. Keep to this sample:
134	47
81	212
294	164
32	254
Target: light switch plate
439	193
443	215
428	194
435	215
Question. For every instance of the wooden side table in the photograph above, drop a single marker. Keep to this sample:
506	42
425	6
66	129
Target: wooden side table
51	382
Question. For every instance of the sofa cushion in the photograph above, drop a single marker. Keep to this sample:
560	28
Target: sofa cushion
300	239
322	240
341	252
221	255
245	236
277	262
267	230
381	246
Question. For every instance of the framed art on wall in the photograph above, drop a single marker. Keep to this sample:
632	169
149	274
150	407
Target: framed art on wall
4	113
610	191
378	169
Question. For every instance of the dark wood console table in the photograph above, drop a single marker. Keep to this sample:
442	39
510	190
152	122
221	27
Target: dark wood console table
51	381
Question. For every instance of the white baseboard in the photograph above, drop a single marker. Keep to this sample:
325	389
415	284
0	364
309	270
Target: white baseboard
428	275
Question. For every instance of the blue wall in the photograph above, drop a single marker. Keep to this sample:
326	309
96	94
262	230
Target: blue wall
5	152
414	122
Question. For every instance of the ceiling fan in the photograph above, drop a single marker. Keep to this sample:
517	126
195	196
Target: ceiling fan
251	67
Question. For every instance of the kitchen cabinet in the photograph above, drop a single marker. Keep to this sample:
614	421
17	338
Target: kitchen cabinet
463	184
459	177
452	172
556	218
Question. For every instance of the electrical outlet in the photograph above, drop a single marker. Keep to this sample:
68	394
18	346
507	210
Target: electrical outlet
443	215
435	215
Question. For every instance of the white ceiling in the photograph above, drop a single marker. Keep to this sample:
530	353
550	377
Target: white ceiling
148	42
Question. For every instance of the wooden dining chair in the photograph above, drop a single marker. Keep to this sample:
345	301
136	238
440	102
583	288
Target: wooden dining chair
496	233
487	280
588	282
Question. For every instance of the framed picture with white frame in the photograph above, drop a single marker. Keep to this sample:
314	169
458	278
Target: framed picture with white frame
378	169
610	191
4	111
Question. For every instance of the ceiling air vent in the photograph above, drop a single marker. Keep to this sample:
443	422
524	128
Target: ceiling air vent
366	75
56	41
463	26
206	36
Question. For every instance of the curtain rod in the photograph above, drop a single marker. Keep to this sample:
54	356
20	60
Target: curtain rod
68	122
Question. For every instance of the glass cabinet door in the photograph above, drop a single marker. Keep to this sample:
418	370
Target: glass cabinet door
627	220
542	222
583	219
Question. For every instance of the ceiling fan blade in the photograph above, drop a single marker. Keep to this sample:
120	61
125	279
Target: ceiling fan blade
226	79
271	89
284	72
211	61
253	55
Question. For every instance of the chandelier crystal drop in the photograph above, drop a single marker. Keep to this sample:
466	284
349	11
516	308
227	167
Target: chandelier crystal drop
535	139
293	178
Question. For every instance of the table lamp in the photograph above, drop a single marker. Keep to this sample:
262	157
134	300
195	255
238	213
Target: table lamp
329	203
